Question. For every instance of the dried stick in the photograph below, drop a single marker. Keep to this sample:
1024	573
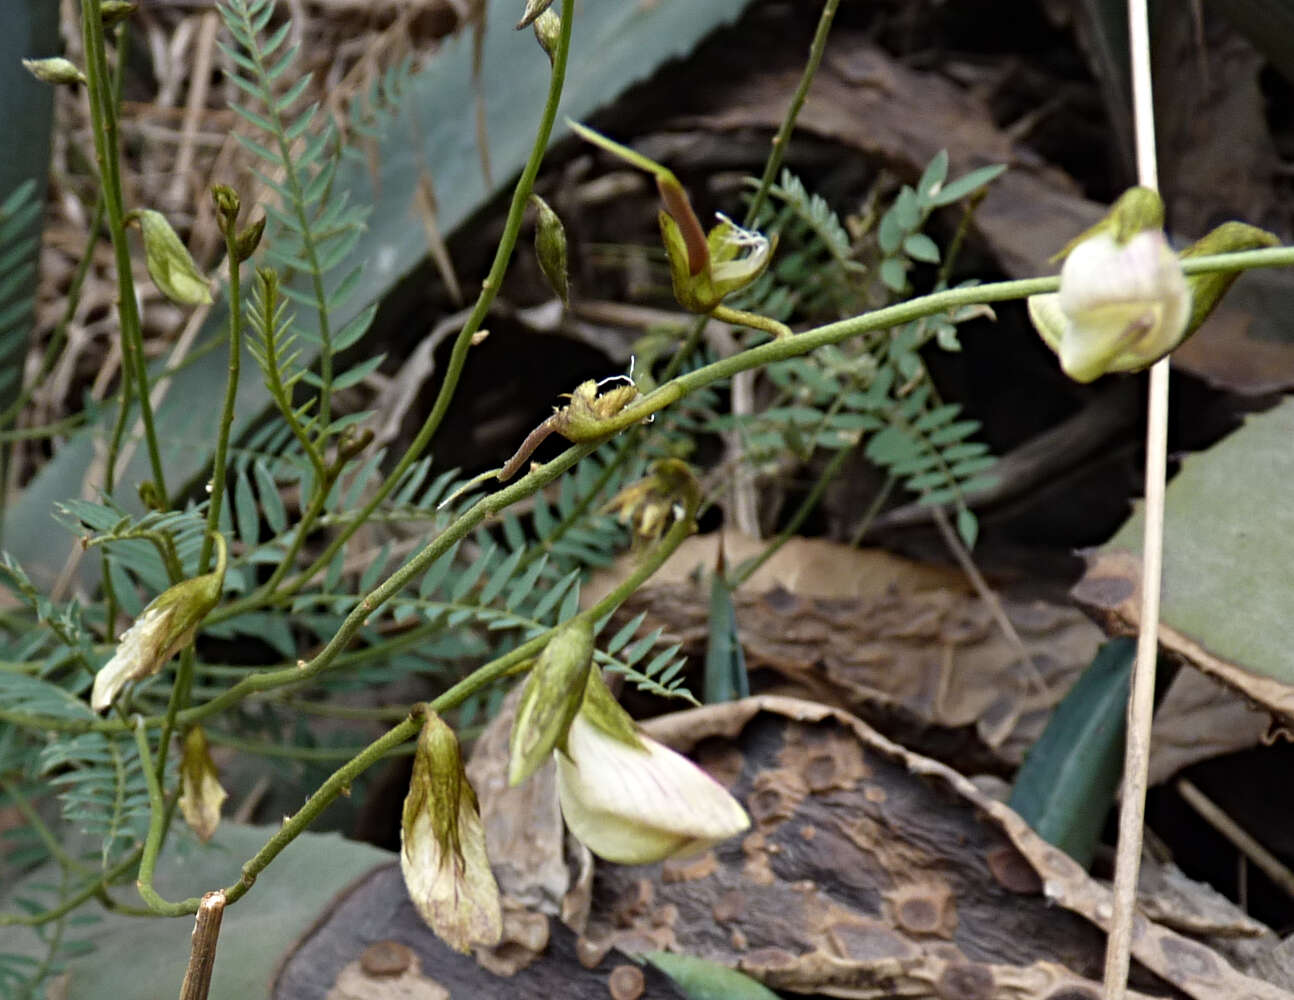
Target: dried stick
202	955
1141	705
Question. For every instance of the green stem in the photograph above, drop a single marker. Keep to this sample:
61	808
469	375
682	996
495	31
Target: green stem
103	116
345	776
783	137
88	891
873	509
754	357
740	317
53	429
489	289
183	682
218	463
314	755
157	815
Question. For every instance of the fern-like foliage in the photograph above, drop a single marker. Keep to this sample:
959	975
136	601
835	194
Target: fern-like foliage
101	788
513	581
314	229
876	391
19	243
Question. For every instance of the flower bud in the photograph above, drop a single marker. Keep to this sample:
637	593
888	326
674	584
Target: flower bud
54	70
200	792
1121	306
632	800
550	248
553	694
228	205
114	12
548	29
534	8
165	627
442	845
169	263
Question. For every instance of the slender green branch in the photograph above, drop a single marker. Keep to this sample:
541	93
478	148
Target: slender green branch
740	317
103	116
451	699
783	137
489	289
338	782
315	755
156	832
218	463
873	508
160	540
183	682
88	891
671	392
53	429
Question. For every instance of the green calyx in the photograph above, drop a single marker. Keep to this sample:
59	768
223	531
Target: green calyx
551	698
1207	289
601	709
438	784
1138	209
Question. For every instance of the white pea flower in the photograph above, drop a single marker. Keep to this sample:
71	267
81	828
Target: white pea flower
632	800
1120	308
162	629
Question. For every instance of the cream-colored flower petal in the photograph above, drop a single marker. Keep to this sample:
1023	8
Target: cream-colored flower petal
455	894
201	795
638	805
1119	308
136	656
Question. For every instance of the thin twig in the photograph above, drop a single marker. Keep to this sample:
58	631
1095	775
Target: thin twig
1141	705
1249	848
783	137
